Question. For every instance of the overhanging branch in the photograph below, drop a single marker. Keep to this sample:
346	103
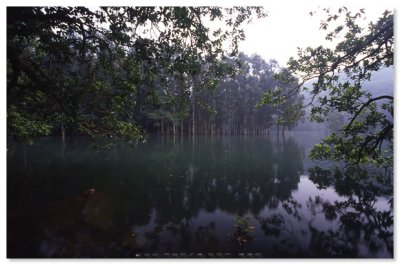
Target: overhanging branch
366	104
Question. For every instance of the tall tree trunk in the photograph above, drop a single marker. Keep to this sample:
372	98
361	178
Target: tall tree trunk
193	121
244	128
62	135
62	132
181	127
173	123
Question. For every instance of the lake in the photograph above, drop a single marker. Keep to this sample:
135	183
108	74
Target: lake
216	197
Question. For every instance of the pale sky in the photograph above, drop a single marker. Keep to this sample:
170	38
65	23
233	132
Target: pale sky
286	28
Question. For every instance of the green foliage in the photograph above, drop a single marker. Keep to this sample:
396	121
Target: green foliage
292	113
273	97
286	99
109	127
244	230
338	77
23	128
85	70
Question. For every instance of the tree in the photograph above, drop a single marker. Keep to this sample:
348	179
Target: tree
286	99
77	69
236	97
339	75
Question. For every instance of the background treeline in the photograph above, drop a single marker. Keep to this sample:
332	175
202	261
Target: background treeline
119	72
229	106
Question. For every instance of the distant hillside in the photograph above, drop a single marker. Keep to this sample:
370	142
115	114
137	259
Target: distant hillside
381	83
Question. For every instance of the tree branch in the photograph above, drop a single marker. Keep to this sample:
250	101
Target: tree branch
366	104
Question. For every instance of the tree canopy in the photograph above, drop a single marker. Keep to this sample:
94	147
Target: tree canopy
338	76
77	69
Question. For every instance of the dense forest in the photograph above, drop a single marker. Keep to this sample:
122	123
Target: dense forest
229	108
94	81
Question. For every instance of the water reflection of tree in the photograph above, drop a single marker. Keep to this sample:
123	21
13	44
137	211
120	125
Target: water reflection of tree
361	227
289	166
234	178
165	185
219	174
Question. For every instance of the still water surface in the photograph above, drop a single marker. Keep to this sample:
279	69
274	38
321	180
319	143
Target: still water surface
185	197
